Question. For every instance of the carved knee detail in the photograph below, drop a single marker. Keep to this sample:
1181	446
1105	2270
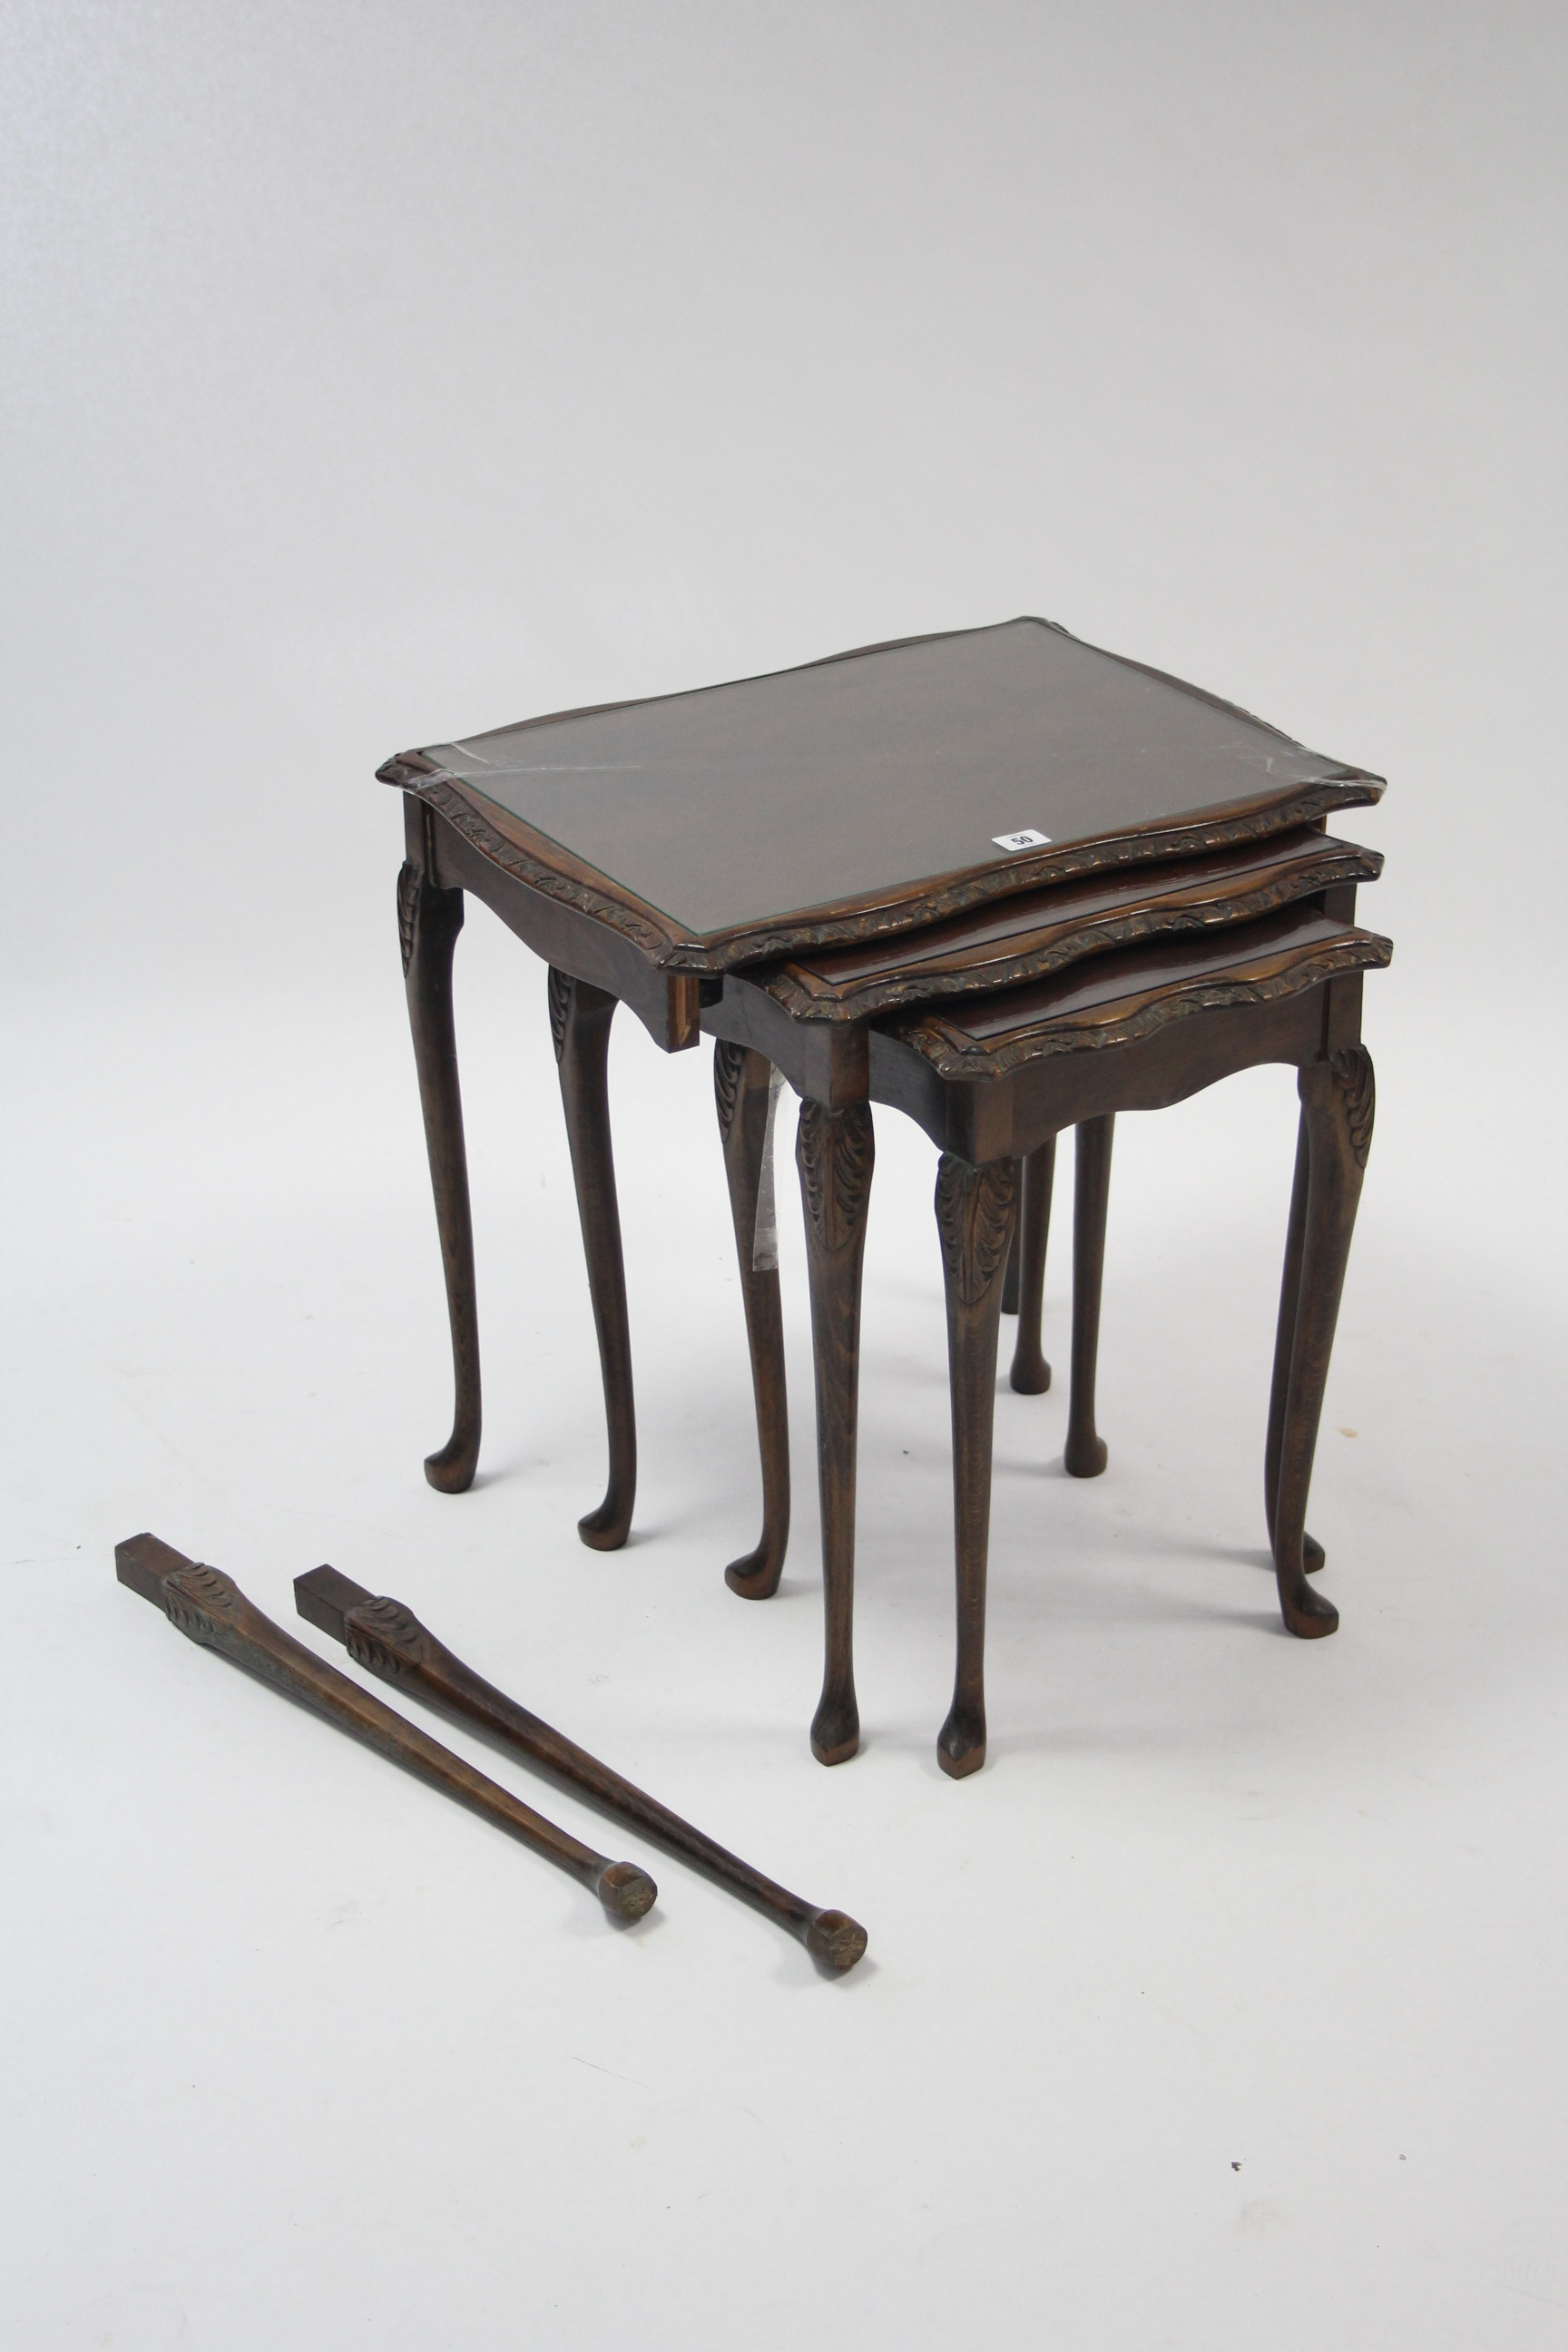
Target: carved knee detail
419	901
835	1150
729	1069
1344	1085
975	1207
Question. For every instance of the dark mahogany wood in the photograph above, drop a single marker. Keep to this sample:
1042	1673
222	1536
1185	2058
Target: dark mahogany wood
1113	1000
1294	998
1338	1102
834	1151
1036	932
579	1018
1030	1375
563	934
387	1639
211	1610
1284	1342
974	1216
1015	1259
1085	1453
743	1095
1000	880
886	788
1147	1007
428	921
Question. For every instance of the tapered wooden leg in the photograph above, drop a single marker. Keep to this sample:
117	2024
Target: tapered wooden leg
428	921
580	1017
1031	1375
742	1090
1284	1340
1338	1100
1085	1453
974	1216
1015	1273
835	1150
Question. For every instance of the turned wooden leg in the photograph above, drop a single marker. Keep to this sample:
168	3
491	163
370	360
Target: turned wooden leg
974	1216
428	921
742	1089
1337	1101
1015	1273
1284	1340
834	1151
1031	1375
1085	1452
580	1017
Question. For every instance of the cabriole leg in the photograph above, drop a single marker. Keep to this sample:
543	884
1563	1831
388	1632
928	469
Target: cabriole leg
1337	1101
580	1017
974	1216
835	1150
428	921
1031	1375
1085	1454
742	1090
1284	1339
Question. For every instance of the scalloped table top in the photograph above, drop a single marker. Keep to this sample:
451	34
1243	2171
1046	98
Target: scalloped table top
872	791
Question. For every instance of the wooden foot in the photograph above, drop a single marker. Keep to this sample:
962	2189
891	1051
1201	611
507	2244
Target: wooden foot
741	1083
1338	1102
1085	1453
835	1150
1284	1339
428	921
975	1218
580	1017
1031	1375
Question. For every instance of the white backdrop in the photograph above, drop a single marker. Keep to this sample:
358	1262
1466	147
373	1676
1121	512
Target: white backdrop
375	374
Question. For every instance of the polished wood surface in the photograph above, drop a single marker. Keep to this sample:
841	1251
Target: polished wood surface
975	1208
211	1610
387	1639
1037	932
1317	1027
835	1152
1030	1375
744	1097
1085	1453
428	921
1111	999
794	865
879	789
579	1018
1337	1109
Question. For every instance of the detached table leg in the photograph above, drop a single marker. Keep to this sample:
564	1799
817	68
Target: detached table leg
580	1017
742	1089
1337	1101
1085	1454
835	1150
1031	1375
1284	1340
974	1214
428	921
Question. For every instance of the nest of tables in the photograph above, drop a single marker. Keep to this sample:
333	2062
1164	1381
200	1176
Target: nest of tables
999	880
